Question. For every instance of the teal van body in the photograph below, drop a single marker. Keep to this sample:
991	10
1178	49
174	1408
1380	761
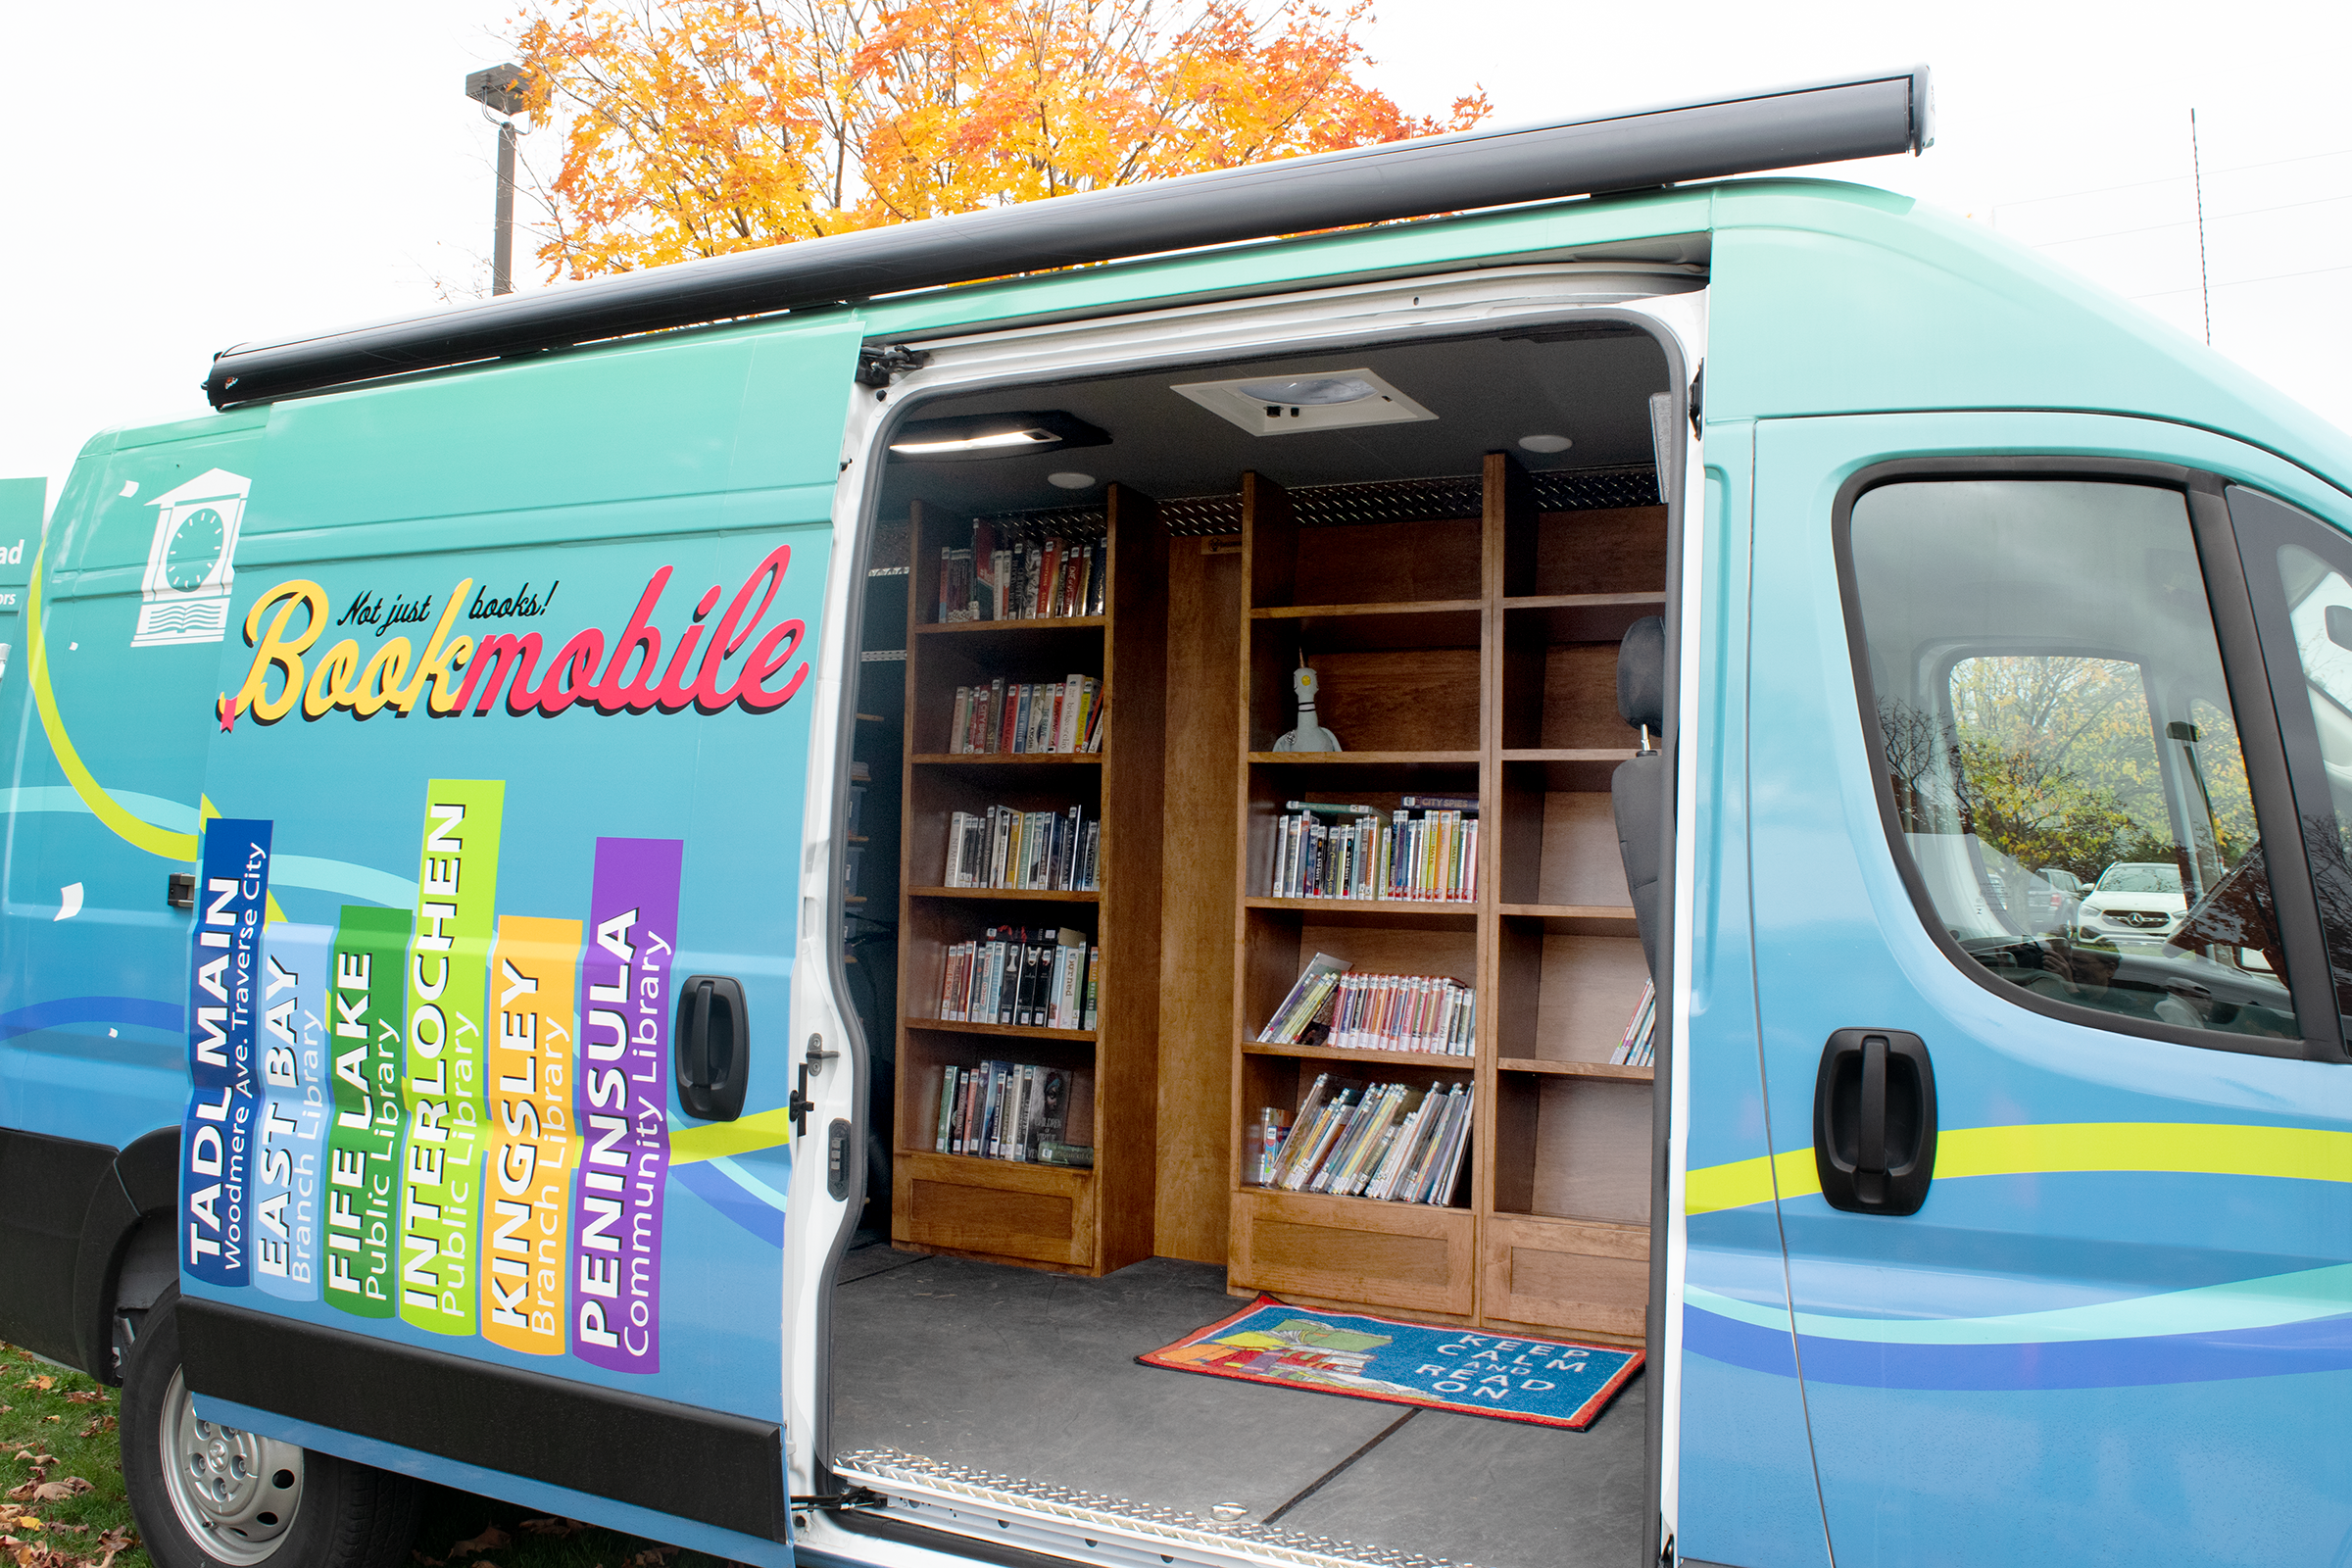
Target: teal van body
607	596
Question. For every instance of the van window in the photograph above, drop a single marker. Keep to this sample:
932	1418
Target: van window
2063	770
2299	573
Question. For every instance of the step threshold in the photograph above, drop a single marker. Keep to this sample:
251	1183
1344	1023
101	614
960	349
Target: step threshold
1089	1527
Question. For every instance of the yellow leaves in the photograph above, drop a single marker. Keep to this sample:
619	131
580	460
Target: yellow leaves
698	127
42	1384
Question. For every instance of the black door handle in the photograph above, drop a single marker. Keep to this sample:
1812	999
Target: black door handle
711	1048
1874	1121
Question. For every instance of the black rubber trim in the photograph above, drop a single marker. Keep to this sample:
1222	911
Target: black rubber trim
720	1469
2257	730
1787	127
46	1185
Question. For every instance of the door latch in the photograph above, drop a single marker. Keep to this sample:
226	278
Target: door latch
800	1104
1874	1121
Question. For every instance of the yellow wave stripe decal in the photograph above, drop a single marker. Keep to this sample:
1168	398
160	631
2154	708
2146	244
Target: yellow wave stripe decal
2199	1149
132	830
761	1129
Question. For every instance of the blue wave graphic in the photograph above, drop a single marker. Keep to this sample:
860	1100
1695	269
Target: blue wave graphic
136	1011
2315	1344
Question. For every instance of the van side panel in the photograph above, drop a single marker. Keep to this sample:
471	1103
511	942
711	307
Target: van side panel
1746	1484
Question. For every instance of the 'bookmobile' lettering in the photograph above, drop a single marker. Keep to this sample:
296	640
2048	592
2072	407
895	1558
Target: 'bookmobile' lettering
465	678
448	972
624	1104
224	978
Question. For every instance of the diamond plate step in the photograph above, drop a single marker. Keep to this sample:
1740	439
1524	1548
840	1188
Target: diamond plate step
1067	1522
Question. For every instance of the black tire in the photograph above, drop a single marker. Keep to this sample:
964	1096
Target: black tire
343	1514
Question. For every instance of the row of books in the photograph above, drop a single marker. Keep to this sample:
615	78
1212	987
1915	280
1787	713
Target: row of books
1402	1143
1348	852
1011	1110
1329	1005
1021	579
1032	850
1034	979
1634	1050
1055	715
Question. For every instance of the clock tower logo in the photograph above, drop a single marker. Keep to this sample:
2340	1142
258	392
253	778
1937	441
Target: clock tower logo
192	562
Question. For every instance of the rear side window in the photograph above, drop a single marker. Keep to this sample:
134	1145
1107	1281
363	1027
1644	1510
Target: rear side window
2057	744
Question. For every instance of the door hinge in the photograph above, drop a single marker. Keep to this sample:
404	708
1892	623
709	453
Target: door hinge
877	366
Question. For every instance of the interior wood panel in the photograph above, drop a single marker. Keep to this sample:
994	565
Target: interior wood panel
1592	1150
1581	863
1197	974
1591	987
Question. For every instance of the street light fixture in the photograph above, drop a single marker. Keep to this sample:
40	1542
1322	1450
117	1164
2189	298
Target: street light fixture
503	90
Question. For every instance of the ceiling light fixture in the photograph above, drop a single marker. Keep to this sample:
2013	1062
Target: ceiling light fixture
1070	481
977	443
994	435
1545	443
1294	405
1312	391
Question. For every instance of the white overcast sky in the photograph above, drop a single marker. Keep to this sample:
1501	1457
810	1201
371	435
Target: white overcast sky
179	177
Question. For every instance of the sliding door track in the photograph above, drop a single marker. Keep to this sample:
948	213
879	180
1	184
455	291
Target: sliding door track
1087	1526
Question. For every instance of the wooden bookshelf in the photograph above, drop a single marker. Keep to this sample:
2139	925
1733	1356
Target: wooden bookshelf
1079	1220
1470	656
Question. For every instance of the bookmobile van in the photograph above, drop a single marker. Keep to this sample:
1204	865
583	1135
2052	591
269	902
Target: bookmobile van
480	913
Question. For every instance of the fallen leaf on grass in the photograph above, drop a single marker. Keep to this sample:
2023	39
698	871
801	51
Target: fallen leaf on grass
50	1490
43	1383
555	1527
651	1557
98	1424
86	1397
490	1539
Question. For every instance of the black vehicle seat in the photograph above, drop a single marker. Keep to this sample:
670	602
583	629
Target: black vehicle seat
1637	788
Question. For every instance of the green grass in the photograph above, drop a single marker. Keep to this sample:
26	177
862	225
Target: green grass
58	1427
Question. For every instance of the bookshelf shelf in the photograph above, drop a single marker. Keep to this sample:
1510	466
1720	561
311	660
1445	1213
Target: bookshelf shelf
1010	629
1457	1065
1576	1070
1398	760
1425	607
1027	895
1009	1031
1401	913
1510	697
1007	759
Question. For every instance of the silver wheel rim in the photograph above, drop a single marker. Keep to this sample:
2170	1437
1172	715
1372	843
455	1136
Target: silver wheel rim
236	1493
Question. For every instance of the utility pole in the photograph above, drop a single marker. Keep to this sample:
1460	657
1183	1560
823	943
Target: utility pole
503	90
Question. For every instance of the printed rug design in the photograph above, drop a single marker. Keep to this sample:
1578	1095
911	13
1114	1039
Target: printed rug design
1551	1383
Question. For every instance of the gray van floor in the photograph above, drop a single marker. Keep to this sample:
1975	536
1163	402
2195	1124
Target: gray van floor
1034	1375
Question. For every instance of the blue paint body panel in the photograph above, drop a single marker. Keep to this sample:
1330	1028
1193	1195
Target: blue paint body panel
1845	1388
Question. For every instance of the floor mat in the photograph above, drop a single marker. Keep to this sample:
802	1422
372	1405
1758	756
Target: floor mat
1550	1382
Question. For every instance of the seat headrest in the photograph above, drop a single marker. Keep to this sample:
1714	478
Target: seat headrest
1642	674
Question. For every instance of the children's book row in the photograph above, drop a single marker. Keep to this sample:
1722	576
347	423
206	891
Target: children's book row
1329	1005
1634	1050
1064	715
1011	1110
1030	851
1032	979
1342	851
1384	1012
1402	1143
1020	579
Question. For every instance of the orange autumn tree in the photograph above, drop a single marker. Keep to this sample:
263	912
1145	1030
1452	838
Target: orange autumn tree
697	127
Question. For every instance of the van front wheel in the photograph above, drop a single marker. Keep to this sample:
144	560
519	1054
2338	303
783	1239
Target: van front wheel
207	1496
